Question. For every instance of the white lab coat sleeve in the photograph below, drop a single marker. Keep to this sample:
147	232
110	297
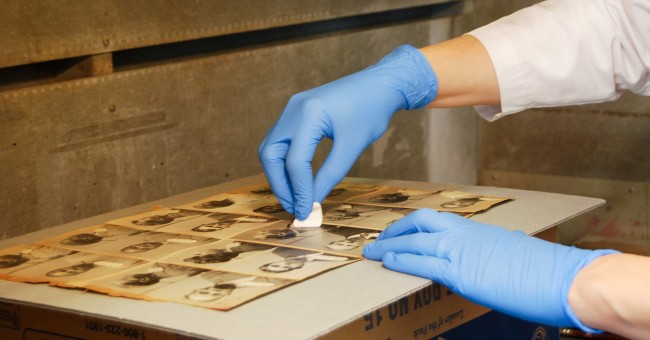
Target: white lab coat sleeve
568	52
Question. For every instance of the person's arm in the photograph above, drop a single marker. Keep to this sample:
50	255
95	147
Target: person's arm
465	73
612	293
551	54
558	53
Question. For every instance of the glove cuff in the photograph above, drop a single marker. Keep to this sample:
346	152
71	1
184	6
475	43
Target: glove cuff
416	80
565	291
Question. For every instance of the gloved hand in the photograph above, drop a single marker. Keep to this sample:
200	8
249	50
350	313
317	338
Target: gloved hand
353	111
504	270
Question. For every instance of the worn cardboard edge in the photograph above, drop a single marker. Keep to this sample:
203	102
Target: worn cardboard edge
15	310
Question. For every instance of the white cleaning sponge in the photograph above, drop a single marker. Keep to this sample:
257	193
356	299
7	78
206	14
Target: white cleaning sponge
314	220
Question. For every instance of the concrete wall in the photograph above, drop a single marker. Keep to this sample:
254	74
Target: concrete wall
104	106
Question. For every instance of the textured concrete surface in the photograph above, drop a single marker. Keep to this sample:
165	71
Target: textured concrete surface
82	147
67	28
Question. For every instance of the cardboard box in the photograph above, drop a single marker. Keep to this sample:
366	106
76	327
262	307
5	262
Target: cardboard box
360	301
19	320
429	312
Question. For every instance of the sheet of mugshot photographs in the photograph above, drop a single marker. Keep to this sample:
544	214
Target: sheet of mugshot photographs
224	250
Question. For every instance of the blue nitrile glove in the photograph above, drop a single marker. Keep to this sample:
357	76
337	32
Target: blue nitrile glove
504	270
353	111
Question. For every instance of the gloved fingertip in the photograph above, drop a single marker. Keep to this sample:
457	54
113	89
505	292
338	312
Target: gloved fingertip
389	258
367	251
304	208
302	214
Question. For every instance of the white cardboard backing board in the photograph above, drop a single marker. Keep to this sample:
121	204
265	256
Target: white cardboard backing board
305	310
